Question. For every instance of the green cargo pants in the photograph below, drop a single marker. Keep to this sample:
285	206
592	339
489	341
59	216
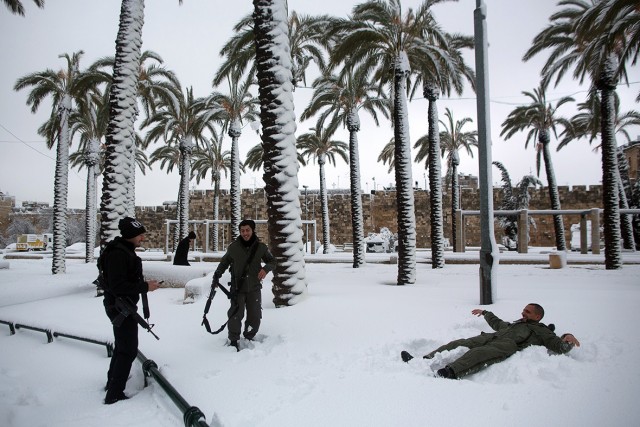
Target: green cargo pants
484	350
252	302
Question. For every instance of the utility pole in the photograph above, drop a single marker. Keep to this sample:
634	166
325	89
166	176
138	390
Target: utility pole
488	247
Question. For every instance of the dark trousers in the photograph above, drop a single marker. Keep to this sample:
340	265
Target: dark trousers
252	303
124	353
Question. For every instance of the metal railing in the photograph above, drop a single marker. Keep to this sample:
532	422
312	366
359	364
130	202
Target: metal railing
227	222
523	225
192	416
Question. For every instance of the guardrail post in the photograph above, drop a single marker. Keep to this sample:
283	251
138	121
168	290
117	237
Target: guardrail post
523	232
146	369
584	243
460	234
12	328
595	231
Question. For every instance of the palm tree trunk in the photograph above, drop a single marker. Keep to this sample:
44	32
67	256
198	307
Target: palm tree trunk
357	221
611	216
176	230
324	207
455	200
235	130
90	215
273	64
131	187
120	132
216	212
558	223
186	146
61	188
432	93
91	160
404	181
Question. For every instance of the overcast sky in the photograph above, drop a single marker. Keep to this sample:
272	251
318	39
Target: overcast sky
189	37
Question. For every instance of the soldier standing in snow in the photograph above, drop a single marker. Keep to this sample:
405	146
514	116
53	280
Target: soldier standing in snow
489	348
122	277
244	257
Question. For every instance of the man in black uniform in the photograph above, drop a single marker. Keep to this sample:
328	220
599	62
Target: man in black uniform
122	277
182	250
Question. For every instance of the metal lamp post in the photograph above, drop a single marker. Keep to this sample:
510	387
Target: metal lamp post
488	247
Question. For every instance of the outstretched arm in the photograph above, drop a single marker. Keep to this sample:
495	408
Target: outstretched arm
494	321
557	344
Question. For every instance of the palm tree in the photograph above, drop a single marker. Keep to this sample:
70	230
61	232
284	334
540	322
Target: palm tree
593	38
514	202
155	83
319	146
210	157
305	41
341	98
118	182
178	123
16	7
169	157
452	139
432	93
392	44
279	144
587	124
541	118
63	87
90	122
232	109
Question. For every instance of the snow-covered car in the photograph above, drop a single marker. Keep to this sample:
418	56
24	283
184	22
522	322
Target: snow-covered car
10	248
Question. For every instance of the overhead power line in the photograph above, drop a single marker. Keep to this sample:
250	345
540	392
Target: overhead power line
23	142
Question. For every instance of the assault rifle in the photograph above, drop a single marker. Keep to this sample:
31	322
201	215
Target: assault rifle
125	309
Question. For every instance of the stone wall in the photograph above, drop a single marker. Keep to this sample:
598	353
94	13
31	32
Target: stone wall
379	210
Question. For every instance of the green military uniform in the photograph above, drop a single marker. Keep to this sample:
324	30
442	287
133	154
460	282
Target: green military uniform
489	348
245	287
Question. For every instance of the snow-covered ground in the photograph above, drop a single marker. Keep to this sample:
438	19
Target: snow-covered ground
333	359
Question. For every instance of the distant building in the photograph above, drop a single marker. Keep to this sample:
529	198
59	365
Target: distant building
468	181
29	207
